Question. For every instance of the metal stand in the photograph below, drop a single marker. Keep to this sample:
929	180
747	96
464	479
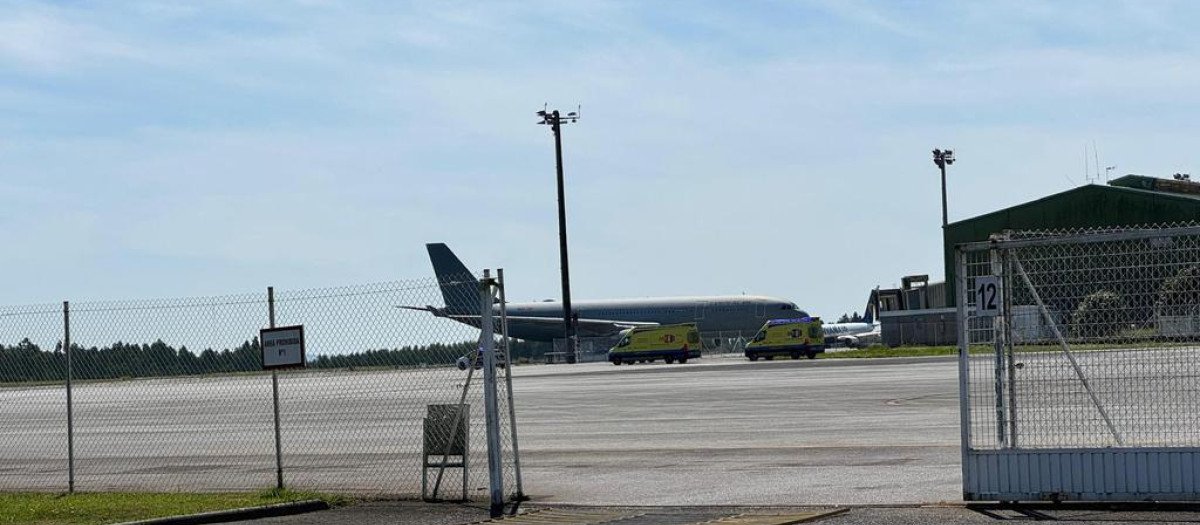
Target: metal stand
445	436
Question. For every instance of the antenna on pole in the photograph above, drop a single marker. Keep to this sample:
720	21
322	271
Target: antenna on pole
555	120
1087	165
1107	170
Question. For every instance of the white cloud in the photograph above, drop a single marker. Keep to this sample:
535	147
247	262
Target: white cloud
51	41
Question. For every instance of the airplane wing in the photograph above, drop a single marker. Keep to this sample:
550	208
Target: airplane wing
585	327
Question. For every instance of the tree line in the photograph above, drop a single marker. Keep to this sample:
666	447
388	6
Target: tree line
27	362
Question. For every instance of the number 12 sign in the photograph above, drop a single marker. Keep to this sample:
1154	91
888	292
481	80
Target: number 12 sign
987	296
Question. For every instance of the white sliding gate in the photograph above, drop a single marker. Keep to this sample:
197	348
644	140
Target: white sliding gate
1079	367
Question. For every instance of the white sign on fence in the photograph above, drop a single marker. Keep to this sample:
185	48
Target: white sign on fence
987	296
282	347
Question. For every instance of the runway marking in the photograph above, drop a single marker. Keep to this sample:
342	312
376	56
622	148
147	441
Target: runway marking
775	519
564	517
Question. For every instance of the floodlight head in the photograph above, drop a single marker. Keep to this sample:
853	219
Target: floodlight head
541	113
937	153
572	114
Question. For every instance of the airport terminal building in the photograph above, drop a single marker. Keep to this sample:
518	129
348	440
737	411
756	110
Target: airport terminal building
1132	200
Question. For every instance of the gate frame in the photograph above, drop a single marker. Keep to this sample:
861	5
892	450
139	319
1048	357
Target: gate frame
1010	473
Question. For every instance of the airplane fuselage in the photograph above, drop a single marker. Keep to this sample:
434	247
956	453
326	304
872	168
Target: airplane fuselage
742	313
836	329
536	321
849	333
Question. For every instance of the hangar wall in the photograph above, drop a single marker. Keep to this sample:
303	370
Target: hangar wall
1132	200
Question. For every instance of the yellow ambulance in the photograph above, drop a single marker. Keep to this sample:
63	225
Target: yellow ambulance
671	342
788	337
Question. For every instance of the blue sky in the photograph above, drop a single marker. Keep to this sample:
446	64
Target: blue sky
161	149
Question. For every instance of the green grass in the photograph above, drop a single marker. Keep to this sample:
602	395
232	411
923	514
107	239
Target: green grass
883	351
88	509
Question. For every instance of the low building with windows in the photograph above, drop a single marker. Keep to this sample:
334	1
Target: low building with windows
916	314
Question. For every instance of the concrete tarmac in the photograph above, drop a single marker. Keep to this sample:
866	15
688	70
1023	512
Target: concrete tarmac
716	431
727	432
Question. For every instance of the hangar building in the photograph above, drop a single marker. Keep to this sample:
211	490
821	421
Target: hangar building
1132	200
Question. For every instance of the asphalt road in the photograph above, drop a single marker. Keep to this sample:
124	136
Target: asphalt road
715	431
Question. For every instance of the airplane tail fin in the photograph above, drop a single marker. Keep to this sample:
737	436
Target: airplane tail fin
460	288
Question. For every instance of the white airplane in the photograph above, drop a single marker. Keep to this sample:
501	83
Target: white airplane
854	335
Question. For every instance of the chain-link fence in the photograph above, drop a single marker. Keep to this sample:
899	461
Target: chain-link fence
1083	369
169	395
934	327
34	453
1098	342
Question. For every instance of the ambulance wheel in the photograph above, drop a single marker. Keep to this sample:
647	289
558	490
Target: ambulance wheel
683	360
616	361
641	360
812	355
754	358
795	355
669	360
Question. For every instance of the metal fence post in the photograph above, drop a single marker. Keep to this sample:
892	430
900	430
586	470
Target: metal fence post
995	267
491	407
1006	286
70	401
964	352
508	363
275	395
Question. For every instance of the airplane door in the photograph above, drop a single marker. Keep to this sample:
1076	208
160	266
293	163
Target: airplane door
700	307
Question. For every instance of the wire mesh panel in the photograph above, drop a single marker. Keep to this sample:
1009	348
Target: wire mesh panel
33	402
170	395
980	339
1093	350
355	419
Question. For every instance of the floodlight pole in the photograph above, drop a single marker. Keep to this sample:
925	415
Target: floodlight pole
554	120
942	158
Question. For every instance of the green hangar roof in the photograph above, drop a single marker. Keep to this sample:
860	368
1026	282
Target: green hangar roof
1132	200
